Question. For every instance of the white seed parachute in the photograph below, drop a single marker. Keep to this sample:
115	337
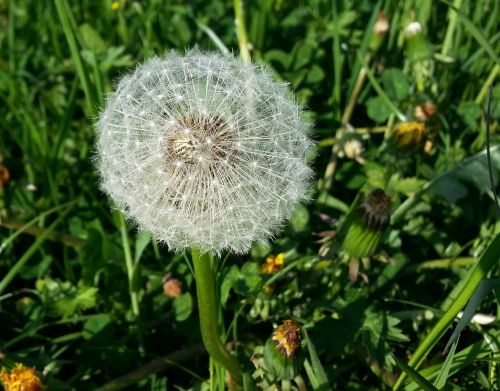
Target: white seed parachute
204	151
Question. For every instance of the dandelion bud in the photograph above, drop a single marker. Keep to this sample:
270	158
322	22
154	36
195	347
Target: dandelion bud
366	223
410	134
204	151
418	48
380	29
425	111
353	149
172	287
21	378
282	352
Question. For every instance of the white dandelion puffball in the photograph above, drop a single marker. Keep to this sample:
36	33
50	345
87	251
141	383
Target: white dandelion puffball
204	151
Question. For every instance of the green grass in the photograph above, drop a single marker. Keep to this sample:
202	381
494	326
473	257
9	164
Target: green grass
81	291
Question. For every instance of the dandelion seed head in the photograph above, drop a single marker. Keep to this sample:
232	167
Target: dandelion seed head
204	151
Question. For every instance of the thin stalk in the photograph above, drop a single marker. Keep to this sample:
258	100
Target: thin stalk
486	85
65	18
453	17
241	31
207	306
337	57
11	36
21	227
171	360
445	263
346	117
129	263
25	227
376	86
14	270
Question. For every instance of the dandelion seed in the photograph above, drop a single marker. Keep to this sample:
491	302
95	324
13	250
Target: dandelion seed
233	165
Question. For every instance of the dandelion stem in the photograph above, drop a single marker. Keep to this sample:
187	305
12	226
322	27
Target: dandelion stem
129	263
241	32
207	308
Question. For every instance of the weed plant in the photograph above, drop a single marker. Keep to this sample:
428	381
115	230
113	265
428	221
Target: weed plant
397	93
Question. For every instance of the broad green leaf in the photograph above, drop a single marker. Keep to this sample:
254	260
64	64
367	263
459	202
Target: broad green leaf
396	84
377	109
91	39
300	218
183	306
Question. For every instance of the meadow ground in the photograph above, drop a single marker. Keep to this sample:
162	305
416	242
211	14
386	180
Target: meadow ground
397	95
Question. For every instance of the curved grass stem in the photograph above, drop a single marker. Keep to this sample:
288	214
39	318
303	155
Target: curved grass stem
207	306
241	32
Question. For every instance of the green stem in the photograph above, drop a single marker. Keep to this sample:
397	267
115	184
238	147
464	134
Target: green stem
14	270
376	86
207	306
486	85
453	17
241	32
65	18
129	263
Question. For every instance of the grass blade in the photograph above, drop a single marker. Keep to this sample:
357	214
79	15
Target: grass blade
64	17
415	376
478	273
317	369
27	255
478	36
445	368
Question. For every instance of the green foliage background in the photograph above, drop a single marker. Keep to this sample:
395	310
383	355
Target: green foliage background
65	290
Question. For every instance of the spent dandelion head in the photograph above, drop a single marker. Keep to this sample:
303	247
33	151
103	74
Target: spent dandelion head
408	135
204	151
21	378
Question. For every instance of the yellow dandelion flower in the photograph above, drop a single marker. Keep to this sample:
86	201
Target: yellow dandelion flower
21	379
409	134
287	337
274	263
115	5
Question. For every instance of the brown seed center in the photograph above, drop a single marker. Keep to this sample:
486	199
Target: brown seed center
201	140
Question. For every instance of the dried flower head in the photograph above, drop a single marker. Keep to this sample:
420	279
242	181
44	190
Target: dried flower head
172	287
21	378
287	337
375	209
382	24
354	149
409	134
204	151
425	111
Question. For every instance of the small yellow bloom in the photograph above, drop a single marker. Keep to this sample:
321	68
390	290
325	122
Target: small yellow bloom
274	263
21	379
409	134
115	5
